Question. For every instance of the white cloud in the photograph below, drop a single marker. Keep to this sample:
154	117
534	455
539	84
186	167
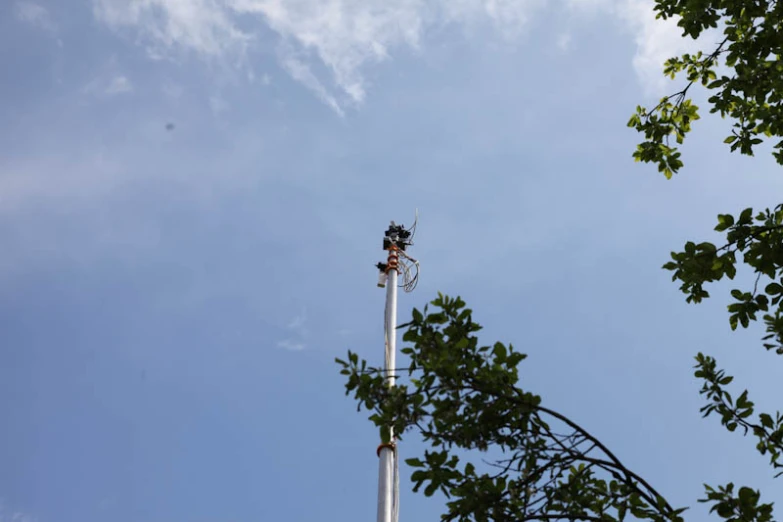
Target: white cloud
302	73
656	42
31	184
218	105
42	196
291	345
173	90
118	85
203	26
34	14
298	328
327	44
590	6
298	323
343	35
564	41
109	80
108	85
9	515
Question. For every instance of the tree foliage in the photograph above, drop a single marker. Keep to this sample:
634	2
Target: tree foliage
743	76
759	241
742	73
495	451
498	454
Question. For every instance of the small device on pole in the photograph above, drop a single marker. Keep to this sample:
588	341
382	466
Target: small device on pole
396	241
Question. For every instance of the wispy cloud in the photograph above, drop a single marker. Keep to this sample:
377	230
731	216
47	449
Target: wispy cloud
110	80
112	86
327	44
298	333
344	36
41	194
34	14
302	73
656	40
29	183
564	41
298	323
203	26
10	515
291	345
173	90
118	85
218	105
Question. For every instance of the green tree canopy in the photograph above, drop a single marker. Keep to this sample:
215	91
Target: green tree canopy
742	73
463	399
743	76
499	454
496	451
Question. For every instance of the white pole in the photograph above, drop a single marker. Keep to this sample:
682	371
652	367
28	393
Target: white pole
387	452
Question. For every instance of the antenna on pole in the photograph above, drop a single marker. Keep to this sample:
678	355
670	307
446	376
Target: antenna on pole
396	241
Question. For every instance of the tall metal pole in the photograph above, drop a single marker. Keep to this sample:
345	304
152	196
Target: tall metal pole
395	242
387	451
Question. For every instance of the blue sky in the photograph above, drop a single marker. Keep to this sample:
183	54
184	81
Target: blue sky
171	301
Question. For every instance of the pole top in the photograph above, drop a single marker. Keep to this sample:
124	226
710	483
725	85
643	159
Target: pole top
396	236
396	240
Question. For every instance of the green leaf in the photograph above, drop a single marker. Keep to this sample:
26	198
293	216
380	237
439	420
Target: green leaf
724	510
744	320
726	220
410	336
414	463
734	321
500	352
439	318
747	497
774	289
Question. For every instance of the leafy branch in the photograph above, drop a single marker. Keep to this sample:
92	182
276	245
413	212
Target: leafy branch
737	413
760	241
751	97
460	396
